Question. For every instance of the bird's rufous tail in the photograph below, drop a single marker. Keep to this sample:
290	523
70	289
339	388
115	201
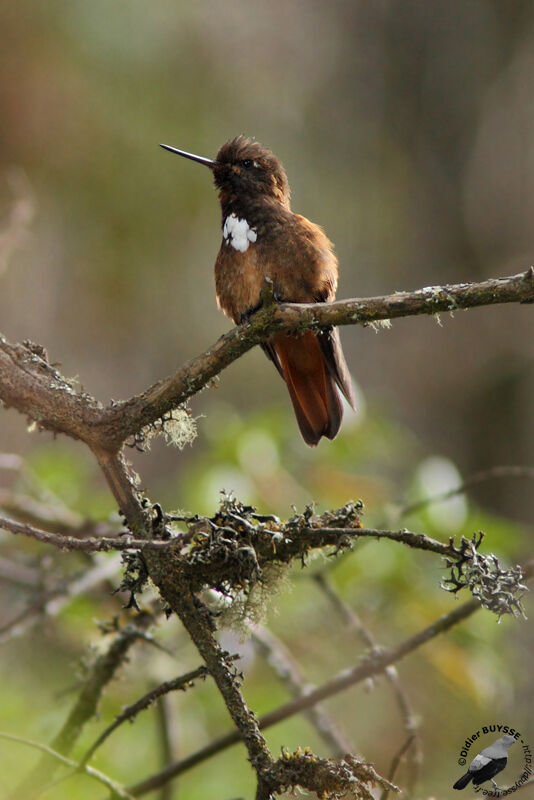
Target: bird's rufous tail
311	368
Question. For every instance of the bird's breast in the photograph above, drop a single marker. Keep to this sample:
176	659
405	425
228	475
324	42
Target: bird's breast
285	247
238	280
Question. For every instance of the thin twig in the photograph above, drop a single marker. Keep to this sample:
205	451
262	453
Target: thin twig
474	480
286	667
418	541
116	789
372	665
47	513
391	674
395	763
51	602
168	748
99	675
20	574
177	684
88	545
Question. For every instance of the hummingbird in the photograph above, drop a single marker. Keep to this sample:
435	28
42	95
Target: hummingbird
262	238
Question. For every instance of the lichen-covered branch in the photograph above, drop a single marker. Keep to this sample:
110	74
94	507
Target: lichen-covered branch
130	416
229	551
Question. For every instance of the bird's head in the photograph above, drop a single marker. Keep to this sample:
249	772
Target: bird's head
507	740
245	168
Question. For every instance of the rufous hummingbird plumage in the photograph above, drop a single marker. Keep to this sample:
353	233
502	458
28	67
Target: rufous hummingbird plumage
263	238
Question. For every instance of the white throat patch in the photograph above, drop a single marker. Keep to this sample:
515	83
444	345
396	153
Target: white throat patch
238	233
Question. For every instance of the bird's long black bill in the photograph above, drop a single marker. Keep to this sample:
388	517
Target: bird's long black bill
208	162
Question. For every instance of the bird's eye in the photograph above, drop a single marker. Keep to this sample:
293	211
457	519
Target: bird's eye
248	163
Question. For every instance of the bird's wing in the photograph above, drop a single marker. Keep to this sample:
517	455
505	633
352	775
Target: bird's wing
489	770
478	762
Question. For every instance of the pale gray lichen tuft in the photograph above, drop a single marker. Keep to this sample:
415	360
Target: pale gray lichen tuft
178	427
498	589
377	324
238	611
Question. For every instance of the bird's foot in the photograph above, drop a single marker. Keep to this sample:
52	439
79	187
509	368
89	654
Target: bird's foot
498	788
268	298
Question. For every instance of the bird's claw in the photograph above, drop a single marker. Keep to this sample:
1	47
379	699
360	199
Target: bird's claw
268	298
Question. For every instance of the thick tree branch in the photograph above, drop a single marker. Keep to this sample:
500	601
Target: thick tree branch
132	415
32	385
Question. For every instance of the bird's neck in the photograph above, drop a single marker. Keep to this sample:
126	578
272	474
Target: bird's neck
255	210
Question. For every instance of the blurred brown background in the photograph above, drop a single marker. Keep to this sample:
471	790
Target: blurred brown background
407	131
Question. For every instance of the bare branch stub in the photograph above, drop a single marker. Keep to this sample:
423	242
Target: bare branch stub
117	791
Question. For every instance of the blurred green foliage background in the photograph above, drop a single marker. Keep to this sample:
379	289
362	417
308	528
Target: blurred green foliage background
406	129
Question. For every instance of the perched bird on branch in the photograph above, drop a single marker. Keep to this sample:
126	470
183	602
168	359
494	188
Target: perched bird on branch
263	239
487	764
